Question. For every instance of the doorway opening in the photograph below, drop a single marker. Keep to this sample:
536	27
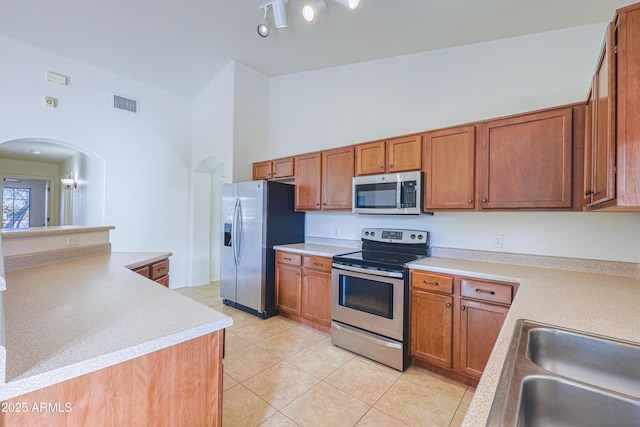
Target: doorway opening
24	202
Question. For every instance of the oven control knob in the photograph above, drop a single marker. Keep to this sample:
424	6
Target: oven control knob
366	233
420	236
413	236
373	233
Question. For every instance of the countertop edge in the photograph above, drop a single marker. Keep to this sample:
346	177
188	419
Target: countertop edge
22	386
315	249
51	231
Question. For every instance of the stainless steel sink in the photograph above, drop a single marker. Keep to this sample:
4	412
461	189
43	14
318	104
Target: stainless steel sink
549	401
606	363
558	377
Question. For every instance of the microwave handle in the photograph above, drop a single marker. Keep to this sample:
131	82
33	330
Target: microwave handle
399	194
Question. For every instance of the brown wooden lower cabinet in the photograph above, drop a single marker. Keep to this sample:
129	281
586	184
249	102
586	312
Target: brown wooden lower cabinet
455	321
157	271
177	386
303	289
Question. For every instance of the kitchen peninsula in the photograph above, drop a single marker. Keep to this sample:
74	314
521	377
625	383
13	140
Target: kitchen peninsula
89	341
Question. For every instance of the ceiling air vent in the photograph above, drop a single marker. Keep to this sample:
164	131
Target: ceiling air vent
124	103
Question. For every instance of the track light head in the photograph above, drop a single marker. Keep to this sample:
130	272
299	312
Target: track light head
312	9
351	4
263	28
279	13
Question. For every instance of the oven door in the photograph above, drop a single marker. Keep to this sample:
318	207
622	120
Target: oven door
371	300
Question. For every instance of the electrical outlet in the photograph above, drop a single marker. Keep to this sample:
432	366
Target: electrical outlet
497	240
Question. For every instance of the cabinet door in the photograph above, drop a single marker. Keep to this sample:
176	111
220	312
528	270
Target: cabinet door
432	328
283	168
604	123
526	161
589	138
337	177
308	182
370	158
316	296
480	325
449	168
404	154
288	287
262	170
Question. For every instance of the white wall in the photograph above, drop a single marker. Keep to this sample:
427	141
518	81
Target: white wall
230	131
374	100
88	197
146	156
251	121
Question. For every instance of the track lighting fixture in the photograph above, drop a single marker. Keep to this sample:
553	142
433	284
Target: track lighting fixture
279	16
312	9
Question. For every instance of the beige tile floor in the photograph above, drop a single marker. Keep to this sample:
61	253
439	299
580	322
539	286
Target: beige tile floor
280	373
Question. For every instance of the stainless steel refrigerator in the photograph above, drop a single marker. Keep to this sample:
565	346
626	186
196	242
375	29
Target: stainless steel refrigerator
256	215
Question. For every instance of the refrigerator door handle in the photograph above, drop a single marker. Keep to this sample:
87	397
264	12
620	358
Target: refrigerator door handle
239	224
234	231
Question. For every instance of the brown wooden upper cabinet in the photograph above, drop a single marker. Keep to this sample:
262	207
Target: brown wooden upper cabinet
600	161
274	169
614	128
393	155
324	180
262	170
526	161
449	168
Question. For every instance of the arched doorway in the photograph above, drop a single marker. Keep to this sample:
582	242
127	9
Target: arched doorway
28	161
207	194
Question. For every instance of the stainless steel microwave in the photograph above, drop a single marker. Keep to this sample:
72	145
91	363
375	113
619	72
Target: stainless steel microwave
391	194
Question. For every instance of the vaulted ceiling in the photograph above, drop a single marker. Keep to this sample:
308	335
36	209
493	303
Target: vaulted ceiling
181	45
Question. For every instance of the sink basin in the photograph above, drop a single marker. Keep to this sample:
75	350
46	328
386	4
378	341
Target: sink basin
605	363
557	377
553	402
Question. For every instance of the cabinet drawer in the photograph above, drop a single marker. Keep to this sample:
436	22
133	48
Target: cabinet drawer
431	282
164	281
288	258
317	263
143	271
487	291
159	269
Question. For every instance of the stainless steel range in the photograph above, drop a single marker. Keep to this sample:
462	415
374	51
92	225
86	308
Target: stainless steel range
370	291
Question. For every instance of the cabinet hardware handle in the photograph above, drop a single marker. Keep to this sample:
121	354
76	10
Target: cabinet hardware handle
325	203
588	192
484	200
381	166
390	165
483	291
470	201
297	274
448	305
162	268
463	308
319	264
426	282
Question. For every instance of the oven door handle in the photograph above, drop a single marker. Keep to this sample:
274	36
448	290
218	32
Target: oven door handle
367	271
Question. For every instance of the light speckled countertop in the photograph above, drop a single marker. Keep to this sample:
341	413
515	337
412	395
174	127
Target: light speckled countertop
315	249
597	303
70	318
